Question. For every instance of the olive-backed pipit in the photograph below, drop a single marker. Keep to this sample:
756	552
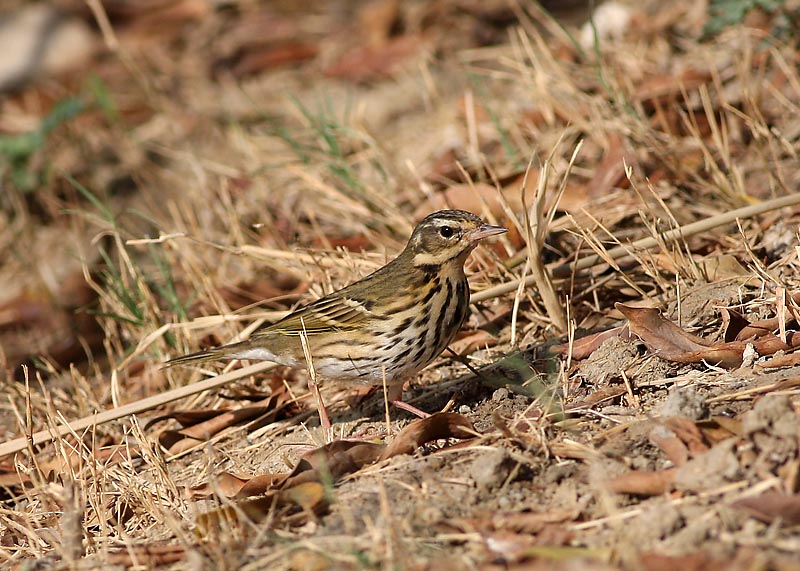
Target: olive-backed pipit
384	327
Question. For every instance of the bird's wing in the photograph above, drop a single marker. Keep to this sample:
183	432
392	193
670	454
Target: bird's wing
326	315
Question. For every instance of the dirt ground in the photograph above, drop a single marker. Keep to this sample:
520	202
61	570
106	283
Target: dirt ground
624	395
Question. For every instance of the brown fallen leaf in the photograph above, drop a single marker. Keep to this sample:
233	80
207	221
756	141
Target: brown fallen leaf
688	432
225	483
643	483
744	330
598	396
670	342
436	427
732	323
663	86
200	425
672	446
147	556
471	341
609	173
712	269
721	267
761	327
279	505
701	561
772	506
661	336
368	63
585	346
376	20
333	461
719	428
786	360
252	60
40	322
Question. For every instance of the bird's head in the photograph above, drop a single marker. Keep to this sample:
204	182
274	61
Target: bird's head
448	235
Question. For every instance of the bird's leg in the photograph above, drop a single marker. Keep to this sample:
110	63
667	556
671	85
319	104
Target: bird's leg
394	394
322	410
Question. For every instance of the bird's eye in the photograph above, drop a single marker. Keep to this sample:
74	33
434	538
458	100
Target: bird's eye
446	231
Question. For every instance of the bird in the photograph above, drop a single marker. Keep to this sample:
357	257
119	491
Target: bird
383	328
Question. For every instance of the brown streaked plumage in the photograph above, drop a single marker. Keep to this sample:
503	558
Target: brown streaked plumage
391	324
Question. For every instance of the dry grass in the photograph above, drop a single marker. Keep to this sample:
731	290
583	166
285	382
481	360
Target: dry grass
205	189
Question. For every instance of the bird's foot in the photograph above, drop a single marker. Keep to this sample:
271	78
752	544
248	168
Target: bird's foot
410	408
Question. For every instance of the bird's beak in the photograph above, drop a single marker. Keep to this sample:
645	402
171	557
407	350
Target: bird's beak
486	230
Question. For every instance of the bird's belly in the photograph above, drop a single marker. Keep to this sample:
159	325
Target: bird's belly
395	351
370	363
339	370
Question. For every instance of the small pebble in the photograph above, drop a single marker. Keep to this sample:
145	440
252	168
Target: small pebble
500	394
464	409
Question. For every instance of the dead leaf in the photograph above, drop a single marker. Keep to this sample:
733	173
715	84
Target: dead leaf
436	427
672	343
660	335
332	461
226	483
50	323
720	428
467	344
200	425
772	506
664	86
585	346
687	431
376	21
308	497
721	267
369	63
758	328
787	360
643	483
598	396
162	19
145	555
732	323
255	60
701	561
674	448
607	175
259	485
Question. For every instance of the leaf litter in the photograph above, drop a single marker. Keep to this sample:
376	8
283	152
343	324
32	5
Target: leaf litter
651	425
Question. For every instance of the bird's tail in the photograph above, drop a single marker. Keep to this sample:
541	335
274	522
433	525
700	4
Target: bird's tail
215	354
